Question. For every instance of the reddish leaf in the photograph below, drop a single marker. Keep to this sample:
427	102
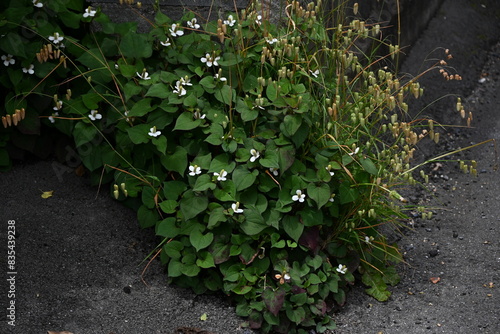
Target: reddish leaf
435	280
310	239
274	300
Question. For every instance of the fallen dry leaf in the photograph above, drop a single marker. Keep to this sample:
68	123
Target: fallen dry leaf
435	280
47	194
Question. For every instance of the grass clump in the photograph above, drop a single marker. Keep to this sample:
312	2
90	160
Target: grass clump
266	156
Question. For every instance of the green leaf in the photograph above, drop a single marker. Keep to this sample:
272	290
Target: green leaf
216	215
297	316
148	195
319	194
83	133
227	193
190	101
378	288
205	260
169	206
292	123
173	249
225	94
347	194
139	134
243	178
160	143
12	43
190	270
369	166
254	222
204	182
221	162
176	161
147	217
167	228
270	159
186	121
130	89
293	227
135	46
272	91
91	100
286	157
191	207
241	290
200	241
208	82
174	268
173	189
159	90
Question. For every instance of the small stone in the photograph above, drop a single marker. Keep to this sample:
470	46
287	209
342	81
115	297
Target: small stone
428	229
455	234
433	252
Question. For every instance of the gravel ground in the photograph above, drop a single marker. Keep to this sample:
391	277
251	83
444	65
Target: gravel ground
79	254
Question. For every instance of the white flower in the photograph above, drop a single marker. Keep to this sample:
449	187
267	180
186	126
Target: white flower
185	81
219	78
37	3
94	114
58	106
328	168
230	21
332	198
198	115
236	207
153	132
272	41
299	196
255	155
259	19
355	151
30	69
51	118
166	43
274	171
174	30
193	24
56	38
126	116
369	239
89	12
144	75
342	269
194	170
315	73
8	60
210	60
221	176
179	89
116	66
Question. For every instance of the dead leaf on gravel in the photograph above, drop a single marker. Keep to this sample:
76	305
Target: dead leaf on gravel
490	285
435	280
63	332
47	194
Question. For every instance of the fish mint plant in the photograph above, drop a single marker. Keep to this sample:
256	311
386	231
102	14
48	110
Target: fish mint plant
265	156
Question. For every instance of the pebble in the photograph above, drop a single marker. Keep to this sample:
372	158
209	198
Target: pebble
433	252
